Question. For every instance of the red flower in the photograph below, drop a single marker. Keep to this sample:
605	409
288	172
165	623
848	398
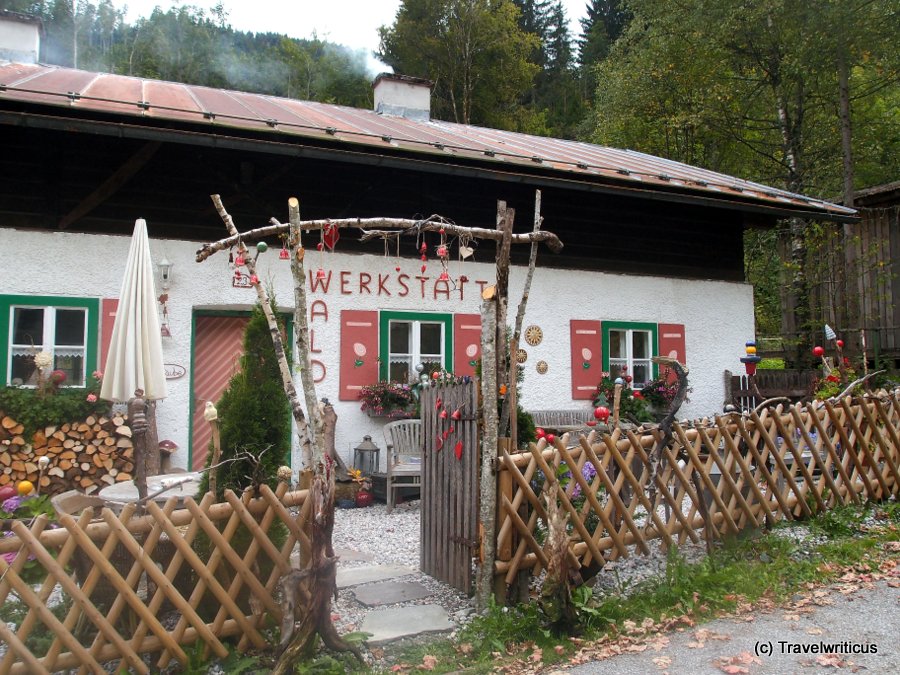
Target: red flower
638	394
833	378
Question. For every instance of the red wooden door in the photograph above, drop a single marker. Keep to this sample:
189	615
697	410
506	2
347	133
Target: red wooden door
217	351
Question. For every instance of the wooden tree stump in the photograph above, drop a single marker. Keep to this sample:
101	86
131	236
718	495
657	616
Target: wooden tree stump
307	593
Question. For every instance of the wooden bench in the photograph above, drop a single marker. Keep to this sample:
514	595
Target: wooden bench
562	421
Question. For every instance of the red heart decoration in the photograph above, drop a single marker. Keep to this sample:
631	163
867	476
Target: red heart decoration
445	434
443	414
451	429
440	443
438	403
456	414
458	449
331	235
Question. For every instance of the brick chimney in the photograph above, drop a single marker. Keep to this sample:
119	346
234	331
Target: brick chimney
20	37
403	96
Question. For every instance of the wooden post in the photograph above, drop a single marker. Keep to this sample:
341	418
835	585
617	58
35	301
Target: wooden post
617	400
504	491
505	217
217	456
489	445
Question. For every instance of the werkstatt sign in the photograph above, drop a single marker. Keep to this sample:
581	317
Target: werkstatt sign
174	371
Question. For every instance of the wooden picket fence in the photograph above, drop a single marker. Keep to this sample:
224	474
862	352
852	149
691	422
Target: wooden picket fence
717	476
133	586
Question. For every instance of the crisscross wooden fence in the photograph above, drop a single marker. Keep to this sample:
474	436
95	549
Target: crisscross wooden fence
719	475
125	586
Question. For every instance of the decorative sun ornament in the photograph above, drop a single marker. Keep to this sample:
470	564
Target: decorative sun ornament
542	367
534	335
521	356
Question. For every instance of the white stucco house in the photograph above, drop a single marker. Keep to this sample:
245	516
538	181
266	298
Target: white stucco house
652	263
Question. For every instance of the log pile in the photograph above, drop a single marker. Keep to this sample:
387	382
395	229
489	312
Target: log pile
84	456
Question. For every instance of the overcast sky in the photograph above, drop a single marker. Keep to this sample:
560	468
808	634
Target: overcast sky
353	23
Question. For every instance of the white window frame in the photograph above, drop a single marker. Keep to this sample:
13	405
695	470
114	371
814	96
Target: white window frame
416	320
629	360
48	340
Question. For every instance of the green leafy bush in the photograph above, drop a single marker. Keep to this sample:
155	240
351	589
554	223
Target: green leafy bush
632	405
38	408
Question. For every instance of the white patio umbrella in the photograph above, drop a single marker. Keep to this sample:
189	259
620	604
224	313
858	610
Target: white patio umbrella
135	358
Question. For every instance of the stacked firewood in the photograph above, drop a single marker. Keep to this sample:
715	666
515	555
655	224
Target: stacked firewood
85	456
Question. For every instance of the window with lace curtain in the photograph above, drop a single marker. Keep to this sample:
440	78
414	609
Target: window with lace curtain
64	328
408	339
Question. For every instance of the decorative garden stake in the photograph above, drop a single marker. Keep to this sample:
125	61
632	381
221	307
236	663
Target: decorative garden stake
751	359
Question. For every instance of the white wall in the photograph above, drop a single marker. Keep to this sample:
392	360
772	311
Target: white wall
718	316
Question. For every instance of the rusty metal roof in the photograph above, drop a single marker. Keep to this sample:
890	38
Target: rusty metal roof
219	111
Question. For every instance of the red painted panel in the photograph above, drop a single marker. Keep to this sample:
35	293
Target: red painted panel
466	343
359	352
108	309
218	345
671	342
586	343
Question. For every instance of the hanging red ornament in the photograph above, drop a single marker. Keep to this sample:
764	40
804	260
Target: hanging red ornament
239	261
601	413
438	403
423	247
424	267
456	414
442	251
284	255
445	434
444	276
237	275
463	279
254	279
320	246
451	429
458	449
628	378
442	231
231	257
443	414
424	257
331	235
818	351
550	438
540	433
397	268
320	273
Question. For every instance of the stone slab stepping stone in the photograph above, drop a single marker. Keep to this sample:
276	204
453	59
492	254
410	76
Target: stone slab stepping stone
354	576
390	593
348	554
394	623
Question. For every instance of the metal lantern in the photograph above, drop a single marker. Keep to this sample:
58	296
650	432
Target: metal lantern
366	457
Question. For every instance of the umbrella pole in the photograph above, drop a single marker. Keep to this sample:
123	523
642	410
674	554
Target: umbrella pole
137	413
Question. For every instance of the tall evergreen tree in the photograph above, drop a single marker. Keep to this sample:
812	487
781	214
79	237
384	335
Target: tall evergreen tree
473	51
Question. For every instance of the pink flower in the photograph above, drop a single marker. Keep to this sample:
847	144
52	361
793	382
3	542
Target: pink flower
92	398
97	375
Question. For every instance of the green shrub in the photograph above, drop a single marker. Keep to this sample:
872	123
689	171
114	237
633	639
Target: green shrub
254	415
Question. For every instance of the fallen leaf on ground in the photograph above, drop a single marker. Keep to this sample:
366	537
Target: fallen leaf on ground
537	655
662	662
559	649
815	631
832	660
734	665
465	648
429	662
791	617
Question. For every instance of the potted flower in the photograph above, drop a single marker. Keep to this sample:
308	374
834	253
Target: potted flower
25	503
364	496
388	399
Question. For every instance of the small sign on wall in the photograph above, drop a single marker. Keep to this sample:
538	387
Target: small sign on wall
241	282
174	371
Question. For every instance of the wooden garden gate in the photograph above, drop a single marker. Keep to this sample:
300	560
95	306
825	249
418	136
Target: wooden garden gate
450	465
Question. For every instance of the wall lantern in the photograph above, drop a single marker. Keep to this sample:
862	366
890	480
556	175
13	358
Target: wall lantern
165	272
